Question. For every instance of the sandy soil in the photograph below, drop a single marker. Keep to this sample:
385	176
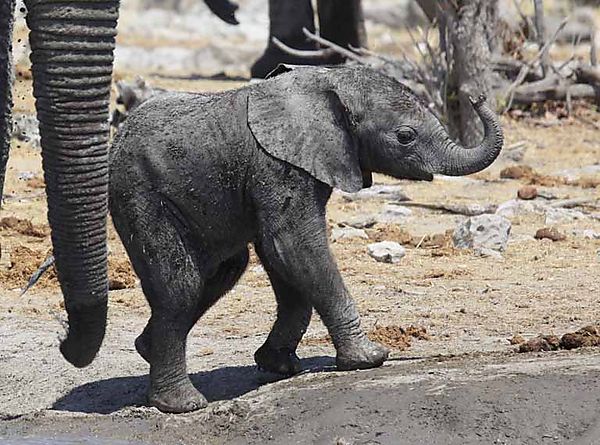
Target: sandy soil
461	382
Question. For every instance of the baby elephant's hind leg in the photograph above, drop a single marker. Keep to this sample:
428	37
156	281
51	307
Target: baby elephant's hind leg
167	266
228	273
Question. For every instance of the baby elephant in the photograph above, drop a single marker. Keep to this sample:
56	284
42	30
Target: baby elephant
196	178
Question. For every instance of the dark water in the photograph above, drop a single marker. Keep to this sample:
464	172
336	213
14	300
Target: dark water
63	441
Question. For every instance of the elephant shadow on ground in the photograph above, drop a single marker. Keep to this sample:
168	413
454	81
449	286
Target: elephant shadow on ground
110	395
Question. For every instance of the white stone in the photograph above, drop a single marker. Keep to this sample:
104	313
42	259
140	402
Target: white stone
561	216
386	251
360	221
489	253
586	233
393	213
518	207
483	232
348	233
380	191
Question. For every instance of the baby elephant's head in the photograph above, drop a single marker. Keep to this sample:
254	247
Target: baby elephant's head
341	124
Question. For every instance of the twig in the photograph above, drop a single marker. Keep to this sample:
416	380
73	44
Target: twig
457	209
337	48
420	242
525	69
48	262
306	54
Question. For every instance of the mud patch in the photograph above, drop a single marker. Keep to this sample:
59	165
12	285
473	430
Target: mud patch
396	337
393	232
390	232
588	336
530	176
23	227
24	262
120	274
392	336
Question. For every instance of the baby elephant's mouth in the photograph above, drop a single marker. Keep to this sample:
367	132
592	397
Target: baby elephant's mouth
416	174
420	175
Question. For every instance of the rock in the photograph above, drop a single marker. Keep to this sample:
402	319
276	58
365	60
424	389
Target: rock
573	174
547	194
560	215
382	191
586	234
591	234
360	221
488	253
483	232
527	192
551	233
25	175
514	153
26	129
518	207
347	233
393	213
386	251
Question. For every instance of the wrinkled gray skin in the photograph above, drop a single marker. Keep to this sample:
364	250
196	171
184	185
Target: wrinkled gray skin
7	8
196	178
72	46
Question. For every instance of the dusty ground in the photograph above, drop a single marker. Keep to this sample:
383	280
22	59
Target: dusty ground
462	382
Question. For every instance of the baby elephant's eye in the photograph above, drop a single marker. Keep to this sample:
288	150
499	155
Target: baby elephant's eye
406	135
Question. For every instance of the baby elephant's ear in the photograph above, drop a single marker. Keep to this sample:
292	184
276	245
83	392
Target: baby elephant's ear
308	127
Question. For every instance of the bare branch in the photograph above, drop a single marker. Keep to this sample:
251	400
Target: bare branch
306	54
337	48
540	28
526	68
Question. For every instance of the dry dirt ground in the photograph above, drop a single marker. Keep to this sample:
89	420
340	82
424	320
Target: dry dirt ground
457	380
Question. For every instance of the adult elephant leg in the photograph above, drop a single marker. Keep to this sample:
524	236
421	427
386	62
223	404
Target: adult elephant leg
342	22
278	353
72	45
286	20
7	9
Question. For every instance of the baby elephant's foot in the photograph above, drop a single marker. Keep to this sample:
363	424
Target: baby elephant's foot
181	398
360	354
280	361
142	345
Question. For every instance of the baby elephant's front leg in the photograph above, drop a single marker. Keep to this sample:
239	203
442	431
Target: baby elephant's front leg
302	256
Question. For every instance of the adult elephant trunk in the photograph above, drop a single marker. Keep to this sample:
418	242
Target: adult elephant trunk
7	8
454	160
72	45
